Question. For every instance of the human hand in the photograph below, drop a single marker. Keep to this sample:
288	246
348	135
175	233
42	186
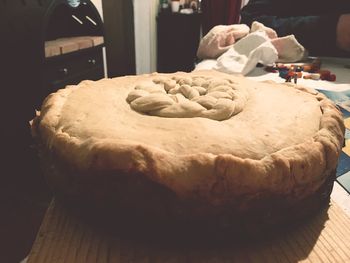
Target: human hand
343	32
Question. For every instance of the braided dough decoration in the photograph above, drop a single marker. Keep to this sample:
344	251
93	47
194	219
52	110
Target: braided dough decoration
186	97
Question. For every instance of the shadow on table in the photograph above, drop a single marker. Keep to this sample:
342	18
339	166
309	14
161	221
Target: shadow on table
70	237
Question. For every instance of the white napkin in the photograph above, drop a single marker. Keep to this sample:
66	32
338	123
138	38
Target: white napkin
219	39
289	49
243	56
240	57
256	26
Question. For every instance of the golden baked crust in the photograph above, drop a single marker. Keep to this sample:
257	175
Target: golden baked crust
284	141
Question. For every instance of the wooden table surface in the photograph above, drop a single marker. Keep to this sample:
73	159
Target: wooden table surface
64	238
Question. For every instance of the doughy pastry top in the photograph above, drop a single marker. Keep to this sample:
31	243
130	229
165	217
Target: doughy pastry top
273	136
273	117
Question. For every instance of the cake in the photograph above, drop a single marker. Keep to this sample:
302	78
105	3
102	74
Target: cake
197	149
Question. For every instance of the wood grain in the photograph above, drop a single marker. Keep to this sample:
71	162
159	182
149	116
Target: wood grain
64	238
66	45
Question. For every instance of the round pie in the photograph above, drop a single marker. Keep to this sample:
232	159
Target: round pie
201	147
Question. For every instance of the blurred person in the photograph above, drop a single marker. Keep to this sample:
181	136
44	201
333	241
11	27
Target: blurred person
322	27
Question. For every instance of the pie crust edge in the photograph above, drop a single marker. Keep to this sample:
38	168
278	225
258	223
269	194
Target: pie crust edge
295	172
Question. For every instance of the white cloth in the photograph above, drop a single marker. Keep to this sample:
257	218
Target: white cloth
289	49
256	26
240	57
219	39
243	56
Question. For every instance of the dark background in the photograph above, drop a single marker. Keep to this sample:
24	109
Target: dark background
24	195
